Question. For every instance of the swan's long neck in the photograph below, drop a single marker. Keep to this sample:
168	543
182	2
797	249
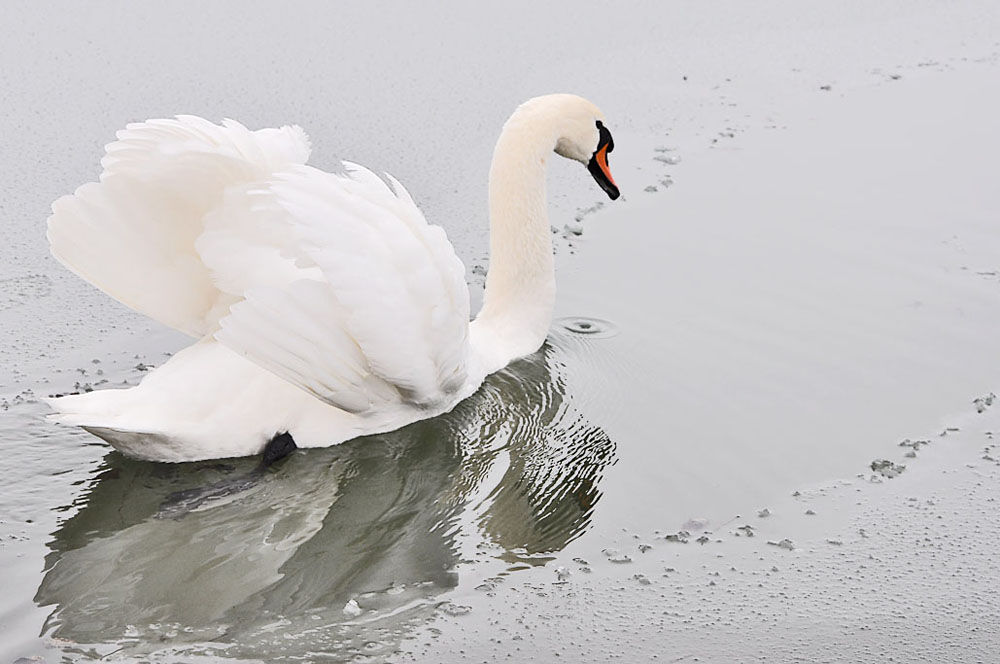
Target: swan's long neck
520	285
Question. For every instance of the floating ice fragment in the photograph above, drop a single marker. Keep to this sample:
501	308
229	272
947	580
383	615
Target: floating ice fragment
887	468
616	556
583	212
352	609
455	609
982	403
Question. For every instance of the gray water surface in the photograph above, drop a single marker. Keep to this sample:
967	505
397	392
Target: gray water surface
804	275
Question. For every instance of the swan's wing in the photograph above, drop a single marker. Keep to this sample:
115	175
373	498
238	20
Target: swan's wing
133	233
383	316
336	283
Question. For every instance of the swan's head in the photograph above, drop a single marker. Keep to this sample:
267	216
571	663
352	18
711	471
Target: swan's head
585	138
579	129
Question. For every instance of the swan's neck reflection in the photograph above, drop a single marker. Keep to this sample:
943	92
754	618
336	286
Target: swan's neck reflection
212	551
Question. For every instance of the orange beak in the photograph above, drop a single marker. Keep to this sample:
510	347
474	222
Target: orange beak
602	161
598	166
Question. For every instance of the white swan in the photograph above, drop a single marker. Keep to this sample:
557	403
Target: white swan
324	304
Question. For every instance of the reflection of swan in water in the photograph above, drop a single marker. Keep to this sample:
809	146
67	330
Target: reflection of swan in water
265	561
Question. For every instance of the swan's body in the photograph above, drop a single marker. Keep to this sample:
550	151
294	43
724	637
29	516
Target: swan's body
325	305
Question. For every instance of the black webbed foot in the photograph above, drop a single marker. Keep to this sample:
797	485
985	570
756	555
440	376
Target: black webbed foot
277	449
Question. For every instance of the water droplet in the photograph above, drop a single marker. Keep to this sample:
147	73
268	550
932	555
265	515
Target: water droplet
592	327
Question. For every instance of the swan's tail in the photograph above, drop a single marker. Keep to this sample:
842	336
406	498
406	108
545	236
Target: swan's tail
95	413
88	408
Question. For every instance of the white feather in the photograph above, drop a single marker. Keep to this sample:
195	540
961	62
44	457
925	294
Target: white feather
133	234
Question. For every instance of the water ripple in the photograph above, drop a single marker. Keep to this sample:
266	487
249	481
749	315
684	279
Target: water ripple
232	560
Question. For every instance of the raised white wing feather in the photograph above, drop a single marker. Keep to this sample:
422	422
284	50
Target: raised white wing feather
133	233
336	283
